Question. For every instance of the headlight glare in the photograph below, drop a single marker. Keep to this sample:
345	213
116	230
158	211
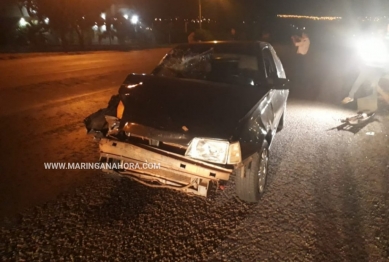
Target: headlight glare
373	50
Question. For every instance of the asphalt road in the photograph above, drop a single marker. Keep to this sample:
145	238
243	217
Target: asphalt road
327	197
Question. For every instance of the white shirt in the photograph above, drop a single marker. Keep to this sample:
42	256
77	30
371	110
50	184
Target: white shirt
303	46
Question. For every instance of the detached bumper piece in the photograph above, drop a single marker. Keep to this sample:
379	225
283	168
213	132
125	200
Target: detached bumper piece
158	168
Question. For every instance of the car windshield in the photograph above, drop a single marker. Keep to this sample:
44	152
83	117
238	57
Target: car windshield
237	66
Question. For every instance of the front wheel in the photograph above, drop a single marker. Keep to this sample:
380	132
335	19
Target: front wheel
251	179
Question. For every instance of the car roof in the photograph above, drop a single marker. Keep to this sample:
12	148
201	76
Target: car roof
229	43
243	47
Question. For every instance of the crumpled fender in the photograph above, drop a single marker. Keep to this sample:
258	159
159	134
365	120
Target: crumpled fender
96	122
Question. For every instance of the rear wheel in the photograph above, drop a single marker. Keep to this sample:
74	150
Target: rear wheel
251	179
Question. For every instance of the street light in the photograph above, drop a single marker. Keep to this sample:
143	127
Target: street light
22	22
134	19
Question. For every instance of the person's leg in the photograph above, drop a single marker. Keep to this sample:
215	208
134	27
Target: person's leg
374	76
357	84
383	87
309	68
384	95
303	69
374	83
297	68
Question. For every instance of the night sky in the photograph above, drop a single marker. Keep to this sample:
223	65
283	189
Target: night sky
251	8
247	9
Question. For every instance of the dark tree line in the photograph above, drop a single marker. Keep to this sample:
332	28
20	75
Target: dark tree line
62	17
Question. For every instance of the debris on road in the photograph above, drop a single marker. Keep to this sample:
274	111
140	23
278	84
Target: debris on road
360	118
356	123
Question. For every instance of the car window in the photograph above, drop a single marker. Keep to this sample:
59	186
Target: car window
280	68
212	63
270	67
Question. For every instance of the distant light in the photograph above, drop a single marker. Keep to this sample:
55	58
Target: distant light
125	17
215	42
23	22
95	27
103	16
160	19
156	19
252	83
103	28
134	19
47	20
329	18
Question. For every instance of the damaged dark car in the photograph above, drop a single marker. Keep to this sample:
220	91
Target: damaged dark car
208	111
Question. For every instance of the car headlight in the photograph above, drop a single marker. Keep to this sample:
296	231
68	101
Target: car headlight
215	151
373	50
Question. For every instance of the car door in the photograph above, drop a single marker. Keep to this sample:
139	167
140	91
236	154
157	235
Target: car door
274	73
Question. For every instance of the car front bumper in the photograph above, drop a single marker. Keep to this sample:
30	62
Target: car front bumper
148	165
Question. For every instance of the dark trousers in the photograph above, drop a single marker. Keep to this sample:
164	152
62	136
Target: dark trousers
300	69
367	74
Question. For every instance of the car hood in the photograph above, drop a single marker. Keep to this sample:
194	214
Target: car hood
177	110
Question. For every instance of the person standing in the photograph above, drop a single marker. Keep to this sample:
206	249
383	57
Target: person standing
191	37
233	36
303	44
374	66
367	73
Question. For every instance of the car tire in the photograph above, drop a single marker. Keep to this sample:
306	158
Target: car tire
250	186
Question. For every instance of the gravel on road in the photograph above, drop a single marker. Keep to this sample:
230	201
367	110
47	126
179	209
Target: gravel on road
327	197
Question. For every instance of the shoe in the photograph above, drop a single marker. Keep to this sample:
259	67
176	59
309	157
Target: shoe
347	100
